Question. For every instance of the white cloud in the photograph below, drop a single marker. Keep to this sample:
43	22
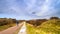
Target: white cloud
30	5
46	9
40	7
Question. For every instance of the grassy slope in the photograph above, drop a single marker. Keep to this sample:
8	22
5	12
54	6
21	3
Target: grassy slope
30	29
49	27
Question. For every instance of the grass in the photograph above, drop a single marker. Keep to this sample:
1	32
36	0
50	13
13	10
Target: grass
49	27
31	29
6	26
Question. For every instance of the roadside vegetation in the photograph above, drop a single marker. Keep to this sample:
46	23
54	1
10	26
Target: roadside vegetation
6	23
6	26
51	26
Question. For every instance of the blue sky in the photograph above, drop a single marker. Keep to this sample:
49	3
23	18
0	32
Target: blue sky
29	9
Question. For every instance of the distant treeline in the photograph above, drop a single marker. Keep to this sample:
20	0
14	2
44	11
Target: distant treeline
38	22
7	21
35	22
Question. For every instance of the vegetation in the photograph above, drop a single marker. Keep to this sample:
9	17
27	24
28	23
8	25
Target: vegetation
6	26
38	26
36	22
51	26
30	29
6	23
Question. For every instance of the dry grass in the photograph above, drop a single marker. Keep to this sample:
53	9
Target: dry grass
6	26
49	27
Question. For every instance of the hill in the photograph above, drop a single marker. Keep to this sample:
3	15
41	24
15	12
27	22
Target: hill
49	27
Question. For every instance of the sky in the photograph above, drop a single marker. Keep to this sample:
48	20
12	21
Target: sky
29	9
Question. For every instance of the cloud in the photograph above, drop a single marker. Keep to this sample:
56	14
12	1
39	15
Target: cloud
10	7
45	8
25	8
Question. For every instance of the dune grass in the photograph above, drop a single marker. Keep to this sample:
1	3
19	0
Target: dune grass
31	29
49	27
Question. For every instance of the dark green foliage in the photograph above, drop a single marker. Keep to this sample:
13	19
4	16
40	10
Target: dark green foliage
40	21
54	18
5	21
36	22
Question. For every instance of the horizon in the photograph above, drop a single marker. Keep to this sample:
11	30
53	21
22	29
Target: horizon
29	9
